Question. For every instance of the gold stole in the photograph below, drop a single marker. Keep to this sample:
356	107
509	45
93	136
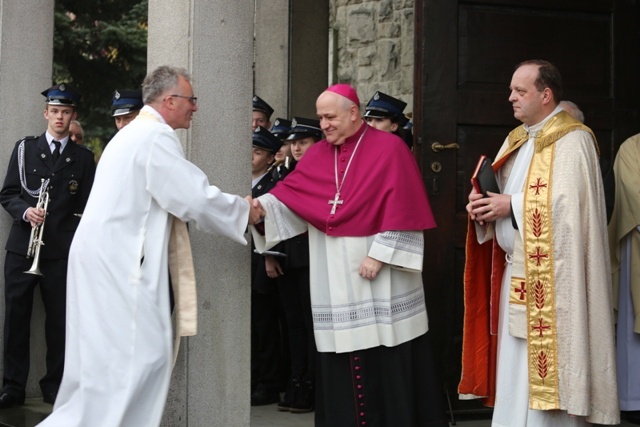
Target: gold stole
183	280
538	289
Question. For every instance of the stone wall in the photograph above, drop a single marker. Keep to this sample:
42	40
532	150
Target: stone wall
372	47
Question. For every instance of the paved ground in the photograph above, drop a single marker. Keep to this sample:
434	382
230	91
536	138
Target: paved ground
35	411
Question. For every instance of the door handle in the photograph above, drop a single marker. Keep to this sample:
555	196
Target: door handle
437	147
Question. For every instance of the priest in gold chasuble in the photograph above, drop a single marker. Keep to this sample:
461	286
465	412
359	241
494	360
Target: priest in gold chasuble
538	330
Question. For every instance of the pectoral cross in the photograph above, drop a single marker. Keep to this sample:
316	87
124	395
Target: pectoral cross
335	202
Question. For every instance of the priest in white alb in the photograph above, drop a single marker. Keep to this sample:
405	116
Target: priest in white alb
119	334
360	196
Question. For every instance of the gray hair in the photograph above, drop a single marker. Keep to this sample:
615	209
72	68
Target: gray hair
572	109
160	80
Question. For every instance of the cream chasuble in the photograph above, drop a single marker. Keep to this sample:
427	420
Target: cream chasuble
555	340
624	239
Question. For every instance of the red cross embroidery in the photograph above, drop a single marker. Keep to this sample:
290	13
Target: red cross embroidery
538	256
521	290
541	328
537	186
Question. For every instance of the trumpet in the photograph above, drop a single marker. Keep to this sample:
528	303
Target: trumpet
35	240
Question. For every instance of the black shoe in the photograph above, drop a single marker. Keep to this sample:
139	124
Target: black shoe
263	397
633	417
8	400
305	397
49	397
290	394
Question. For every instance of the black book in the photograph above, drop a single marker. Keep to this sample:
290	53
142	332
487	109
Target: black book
484	179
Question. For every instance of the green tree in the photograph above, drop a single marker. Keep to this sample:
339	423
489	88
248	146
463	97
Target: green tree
100	46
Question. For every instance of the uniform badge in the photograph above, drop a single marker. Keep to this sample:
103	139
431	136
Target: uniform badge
43	155
116	95
376	96
62	87
294	123
73	186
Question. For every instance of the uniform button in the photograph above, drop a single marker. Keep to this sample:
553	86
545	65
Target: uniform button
360	396
361	404
359	386
357	368
358	377
356	358
362	414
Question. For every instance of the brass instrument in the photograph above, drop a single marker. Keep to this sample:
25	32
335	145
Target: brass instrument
35	241
284	162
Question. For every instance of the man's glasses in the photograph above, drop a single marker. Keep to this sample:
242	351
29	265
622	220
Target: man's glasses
193	99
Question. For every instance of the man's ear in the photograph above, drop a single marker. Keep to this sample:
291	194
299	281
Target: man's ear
394	127
547	95
355	112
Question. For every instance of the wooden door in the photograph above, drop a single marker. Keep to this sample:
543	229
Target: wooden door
466	52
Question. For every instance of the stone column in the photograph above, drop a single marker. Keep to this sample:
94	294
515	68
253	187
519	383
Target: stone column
213	39
26	56
271	75
309	55
291	54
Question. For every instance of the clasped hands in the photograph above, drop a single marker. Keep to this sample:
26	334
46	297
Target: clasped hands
488	209
256	212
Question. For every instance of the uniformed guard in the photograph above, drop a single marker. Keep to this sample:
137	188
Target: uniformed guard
385	112
282	129
292	275
125	106
48	177
261	113
265	330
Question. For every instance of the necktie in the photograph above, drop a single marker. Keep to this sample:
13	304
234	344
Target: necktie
56	151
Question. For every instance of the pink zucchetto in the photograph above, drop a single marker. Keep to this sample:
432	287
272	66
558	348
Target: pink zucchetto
345	90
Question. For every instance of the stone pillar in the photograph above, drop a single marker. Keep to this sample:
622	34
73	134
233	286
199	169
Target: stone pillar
309	55
291	54
213	39
271	75
26	58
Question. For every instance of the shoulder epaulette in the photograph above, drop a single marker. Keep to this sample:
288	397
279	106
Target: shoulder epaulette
27	138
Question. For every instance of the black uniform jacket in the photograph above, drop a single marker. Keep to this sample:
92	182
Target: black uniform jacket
70	182
260	281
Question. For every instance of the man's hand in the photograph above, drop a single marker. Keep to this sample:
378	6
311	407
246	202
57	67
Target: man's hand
369	268
256	213
272	266
490	208
35	216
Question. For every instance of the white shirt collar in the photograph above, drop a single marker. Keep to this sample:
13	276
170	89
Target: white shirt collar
50	138
535	128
